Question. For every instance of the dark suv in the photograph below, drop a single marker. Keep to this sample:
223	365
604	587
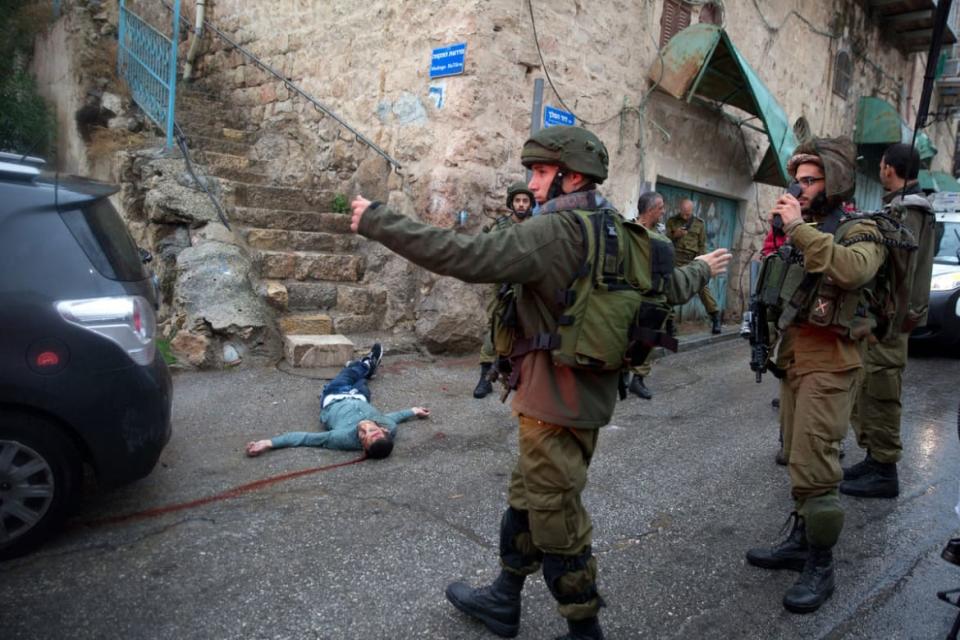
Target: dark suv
80	377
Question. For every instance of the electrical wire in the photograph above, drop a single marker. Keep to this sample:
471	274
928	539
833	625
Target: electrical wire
546	72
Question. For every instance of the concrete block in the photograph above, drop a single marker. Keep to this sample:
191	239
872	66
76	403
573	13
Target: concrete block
317	351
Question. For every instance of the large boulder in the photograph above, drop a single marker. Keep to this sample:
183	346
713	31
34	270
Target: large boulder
451	317
213	288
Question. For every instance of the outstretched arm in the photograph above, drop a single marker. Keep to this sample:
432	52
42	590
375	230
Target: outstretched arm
522	253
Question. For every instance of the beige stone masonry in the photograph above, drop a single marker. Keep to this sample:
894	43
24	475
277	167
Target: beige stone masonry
311	266
317	350
306	324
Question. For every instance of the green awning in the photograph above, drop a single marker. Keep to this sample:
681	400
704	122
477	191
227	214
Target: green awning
946	182
937	181
924	147
878	122
701	61
925	181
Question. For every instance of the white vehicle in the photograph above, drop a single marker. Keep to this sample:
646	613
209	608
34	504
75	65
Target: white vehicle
943	322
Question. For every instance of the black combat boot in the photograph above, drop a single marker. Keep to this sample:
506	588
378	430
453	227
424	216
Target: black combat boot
881	481
862	468
639	389
588	629
715	316
496	606
790	554
815	584
483	388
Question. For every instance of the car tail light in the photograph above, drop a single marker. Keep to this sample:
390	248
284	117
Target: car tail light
126	320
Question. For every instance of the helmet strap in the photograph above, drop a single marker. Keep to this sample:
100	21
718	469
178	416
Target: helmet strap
556	186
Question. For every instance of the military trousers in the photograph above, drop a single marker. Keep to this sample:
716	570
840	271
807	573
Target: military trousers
488	354
546	521
706	297
814	414
644	369
877	410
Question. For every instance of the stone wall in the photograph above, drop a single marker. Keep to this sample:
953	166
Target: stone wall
369	61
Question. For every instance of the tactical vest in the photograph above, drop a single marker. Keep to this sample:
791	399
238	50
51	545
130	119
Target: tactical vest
792	295
615	309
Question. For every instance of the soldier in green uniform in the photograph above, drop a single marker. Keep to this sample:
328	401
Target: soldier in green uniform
823	320
876	415
649	213
520	205
689	236
560	408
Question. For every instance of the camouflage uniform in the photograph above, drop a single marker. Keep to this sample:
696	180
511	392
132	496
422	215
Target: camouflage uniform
488	354
560	408
688	247
821	360
876	412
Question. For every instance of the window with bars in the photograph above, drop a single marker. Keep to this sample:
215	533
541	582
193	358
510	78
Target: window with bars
842	74
675	18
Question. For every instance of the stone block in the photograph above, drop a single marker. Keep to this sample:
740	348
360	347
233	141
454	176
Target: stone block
279	266
317	351
317	324
276	294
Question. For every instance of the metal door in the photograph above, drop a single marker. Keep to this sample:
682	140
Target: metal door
720	215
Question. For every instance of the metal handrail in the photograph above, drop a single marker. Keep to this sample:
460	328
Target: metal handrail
292	87
181	138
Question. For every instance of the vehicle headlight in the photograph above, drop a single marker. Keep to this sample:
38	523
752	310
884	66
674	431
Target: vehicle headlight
945	282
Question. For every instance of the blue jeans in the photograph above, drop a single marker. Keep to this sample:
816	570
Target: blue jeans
353	376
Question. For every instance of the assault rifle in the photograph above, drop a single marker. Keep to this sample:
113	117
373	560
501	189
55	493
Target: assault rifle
755	328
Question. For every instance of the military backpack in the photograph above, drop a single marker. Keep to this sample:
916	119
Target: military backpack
615	309
878	308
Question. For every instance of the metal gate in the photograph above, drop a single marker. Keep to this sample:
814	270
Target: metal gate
720	215
147	61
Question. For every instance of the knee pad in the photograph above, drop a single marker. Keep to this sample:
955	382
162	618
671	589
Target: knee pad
572	580
823	518
517	551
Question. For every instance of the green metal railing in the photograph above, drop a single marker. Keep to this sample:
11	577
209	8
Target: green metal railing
147	61
291	86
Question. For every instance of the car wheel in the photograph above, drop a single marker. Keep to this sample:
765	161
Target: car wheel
39	476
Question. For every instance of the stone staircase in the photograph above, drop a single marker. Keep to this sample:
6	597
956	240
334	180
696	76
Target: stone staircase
308	261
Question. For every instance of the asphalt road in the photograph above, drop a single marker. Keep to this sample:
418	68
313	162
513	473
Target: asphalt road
680	487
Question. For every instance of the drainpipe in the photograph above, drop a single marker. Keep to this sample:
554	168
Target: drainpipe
197	34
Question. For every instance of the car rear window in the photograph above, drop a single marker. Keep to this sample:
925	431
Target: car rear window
104	238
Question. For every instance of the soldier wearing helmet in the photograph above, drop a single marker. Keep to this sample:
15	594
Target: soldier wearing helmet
560	408
520	203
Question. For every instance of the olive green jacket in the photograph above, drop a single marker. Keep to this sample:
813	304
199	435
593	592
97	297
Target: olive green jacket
805	348
691	245
543	254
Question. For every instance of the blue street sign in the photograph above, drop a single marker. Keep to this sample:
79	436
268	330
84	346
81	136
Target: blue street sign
448	60
553	116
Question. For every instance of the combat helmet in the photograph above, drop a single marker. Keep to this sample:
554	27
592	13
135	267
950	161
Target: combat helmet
570	148
515	188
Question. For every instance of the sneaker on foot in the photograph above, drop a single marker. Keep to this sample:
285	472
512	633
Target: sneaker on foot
372	359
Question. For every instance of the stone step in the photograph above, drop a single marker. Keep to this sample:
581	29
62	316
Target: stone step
344	298
272	197
270	218
286	240
220	145
314	351
241	175
305	324
355	322
308	265
214	160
